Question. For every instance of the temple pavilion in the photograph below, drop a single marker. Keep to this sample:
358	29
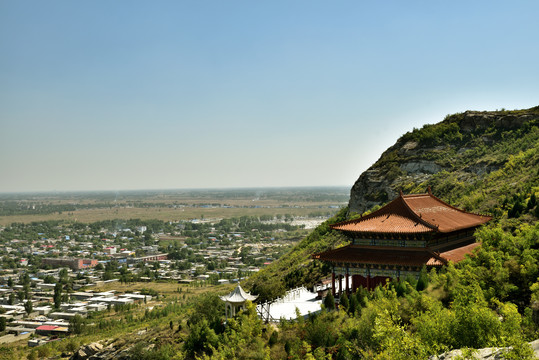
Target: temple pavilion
236	300
398	240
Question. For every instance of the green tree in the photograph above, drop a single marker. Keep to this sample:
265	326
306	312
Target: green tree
209	308
354	304
329	302
57	297
268	288
423	280
28	307
63	275
201	338
344	302
76	324
25	279
532	201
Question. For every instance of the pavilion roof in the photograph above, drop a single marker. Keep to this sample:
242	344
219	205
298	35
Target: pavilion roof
238	295
413	214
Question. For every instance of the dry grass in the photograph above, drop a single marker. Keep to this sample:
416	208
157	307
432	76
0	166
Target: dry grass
168	289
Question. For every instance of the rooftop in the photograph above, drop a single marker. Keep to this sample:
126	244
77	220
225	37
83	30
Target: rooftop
412	214
238	295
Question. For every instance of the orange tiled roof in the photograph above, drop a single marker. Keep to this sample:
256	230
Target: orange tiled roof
416	213
458	254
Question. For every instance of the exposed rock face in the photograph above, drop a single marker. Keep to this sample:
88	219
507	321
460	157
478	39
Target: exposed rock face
119	349
449	145
96	351
86	352
421	166
484	354
475	120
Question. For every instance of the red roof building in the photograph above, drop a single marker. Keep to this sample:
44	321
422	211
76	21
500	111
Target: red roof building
397	240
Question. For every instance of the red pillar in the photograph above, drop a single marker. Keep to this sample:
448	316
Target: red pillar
340	285
333	283
368	282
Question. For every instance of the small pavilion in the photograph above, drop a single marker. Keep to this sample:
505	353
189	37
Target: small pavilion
236	301
409	233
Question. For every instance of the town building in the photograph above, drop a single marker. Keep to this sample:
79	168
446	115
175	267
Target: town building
398	240
74	264
156	257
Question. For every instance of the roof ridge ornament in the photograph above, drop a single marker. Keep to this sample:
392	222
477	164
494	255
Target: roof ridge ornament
429	191
400	193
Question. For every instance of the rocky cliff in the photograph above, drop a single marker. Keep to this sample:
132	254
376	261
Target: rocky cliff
453	156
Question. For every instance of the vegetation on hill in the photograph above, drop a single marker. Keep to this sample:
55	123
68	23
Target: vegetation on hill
501	165
480	161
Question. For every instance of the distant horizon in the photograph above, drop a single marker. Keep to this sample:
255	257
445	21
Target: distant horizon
177	189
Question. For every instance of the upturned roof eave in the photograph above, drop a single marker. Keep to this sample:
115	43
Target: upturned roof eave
400	201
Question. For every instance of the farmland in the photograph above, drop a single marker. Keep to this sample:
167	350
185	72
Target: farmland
171	205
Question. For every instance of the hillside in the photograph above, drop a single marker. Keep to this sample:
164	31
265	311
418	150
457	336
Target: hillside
476	160
486	162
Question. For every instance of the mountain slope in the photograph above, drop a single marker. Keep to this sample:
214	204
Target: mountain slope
484	162
473	159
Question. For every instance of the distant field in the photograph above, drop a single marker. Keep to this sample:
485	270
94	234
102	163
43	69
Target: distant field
163	288
165	214
169	206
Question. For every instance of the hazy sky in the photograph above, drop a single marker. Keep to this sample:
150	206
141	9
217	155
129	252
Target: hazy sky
112	95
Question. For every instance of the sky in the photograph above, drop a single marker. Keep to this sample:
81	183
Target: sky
125	95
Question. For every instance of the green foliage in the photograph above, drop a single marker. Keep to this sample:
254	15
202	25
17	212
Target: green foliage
202	338
344	303
329	302
57	297
319	332
354	305
423	280
268	288
520	351
444	132
394	341
144	351
77	324
242	338
28	306
475	324
507	265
